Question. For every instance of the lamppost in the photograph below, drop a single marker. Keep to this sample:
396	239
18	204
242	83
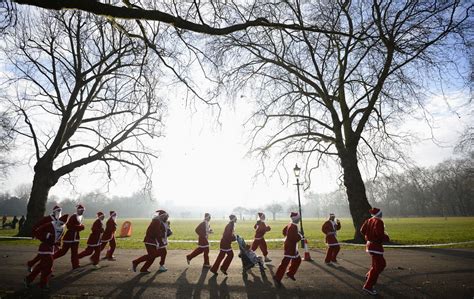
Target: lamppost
297	175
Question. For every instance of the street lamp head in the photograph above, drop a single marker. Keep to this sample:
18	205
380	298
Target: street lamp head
297	171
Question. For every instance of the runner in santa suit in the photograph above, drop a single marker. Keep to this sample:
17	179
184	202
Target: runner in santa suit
330	228
94	241
291	255
259	241
156	240
202	230
50	236
46	219
71	237
374	233
225	247
109	236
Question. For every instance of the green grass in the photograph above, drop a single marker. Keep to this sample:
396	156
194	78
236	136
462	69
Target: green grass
400	230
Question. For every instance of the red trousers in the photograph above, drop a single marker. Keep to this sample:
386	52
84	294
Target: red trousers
95	251
74	256
32	262
226	263
260	243
197	252
45	267
295	263
110	252
378	264
149	258
331	253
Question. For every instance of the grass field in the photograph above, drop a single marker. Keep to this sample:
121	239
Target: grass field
400	230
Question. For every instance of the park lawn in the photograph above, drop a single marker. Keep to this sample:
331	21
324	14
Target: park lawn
401	231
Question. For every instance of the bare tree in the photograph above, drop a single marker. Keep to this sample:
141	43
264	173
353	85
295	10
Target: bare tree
240	211
209	17
274	208
85	93
6	142
342	96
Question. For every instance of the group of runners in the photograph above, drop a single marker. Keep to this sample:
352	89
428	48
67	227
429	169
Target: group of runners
50	232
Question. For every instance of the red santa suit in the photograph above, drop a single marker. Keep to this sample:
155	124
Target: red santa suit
44	220
94	240
291	255
156	241
50	236
71	238
109	236
259	241
330	229
374	233
202	230
225	247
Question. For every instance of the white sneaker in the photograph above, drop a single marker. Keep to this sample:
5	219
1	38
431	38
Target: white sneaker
97	266
162	269
372	292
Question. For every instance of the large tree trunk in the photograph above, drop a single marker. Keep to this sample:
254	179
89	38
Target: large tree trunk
42	183
358	204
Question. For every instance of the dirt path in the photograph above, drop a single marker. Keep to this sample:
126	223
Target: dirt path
410	273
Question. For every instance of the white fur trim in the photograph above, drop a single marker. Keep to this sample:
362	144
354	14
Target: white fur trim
226	250
292	256
374	251
378	214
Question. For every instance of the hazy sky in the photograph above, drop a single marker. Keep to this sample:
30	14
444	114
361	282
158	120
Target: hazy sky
203	164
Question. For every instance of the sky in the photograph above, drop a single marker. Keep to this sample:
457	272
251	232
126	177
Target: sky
203	162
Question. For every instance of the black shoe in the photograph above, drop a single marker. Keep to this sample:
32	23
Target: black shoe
291	277
215	273
277	282
27	284
134	267
225	273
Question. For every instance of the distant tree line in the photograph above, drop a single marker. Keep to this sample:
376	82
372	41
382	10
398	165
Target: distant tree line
446	189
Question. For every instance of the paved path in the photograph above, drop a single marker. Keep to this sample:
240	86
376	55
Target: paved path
411	273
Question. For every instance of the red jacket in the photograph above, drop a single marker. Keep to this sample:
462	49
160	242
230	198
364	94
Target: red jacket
44	220
96	234
50	237
74	226
291	241
228	237
374	232
110	228
260	229
330	229
156	234
202	230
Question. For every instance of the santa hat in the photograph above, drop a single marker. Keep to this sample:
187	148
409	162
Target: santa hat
112	213
63	218
294	215
260	215
56	208
99	214
80	207
375	212
207	215
161	213
232	217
